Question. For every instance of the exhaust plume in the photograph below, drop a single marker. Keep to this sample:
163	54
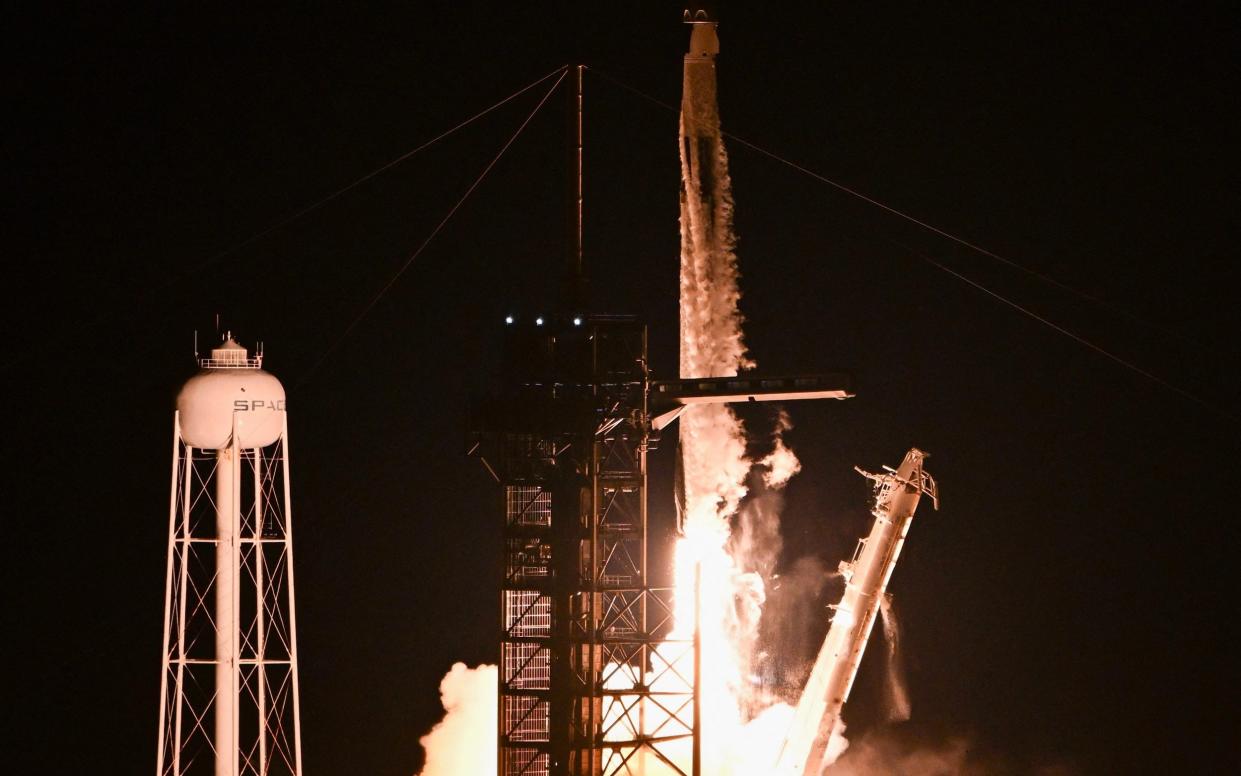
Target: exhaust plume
739	724
464	742
714	466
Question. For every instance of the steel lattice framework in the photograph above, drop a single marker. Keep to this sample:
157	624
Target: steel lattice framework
229	535
590	684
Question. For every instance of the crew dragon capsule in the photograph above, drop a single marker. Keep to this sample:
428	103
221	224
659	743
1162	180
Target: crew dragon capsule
866	576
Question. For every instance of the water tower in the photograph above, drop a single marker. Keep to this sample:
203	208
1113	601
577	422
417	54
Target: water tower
228	690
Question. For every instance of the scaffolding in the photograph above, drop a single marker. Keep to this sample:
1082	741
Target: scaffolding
589	682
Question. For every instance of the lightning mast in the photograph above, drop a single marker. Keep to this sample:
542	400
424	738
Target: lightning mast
228	688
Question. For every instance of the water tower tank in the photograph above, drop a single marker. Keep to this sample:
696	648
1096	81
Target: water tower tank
231	387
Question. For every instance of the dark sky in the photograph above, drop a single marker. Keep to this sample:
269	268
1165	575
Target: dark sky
1068	605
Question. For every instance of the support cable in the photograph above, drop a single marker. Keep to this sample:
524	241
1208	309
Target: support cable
1088	297
152	290
1075	337
378	170
434	232
961	241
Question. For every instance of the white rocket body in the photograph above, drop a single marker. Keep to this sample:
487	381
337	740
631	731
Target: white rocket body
866	577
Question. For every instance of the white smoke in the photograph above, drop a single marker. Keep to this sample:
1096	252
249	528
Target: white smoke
889	750
464	742
711	342
760	740
898	693
795	598
781	463
837	744
874	755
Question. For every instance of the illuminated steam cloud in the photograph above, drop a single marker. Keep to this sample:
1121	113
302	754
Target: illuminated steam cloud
464	742
781	464
898	694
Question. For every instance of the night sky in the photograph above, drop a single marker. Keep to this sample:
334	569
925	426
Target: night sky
1068	606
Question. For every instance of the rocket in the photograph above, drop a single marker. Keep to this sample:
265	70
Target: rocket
866	576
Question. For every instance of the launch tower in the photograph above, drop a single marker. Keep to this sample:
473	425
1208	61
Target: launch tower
589	684
567	437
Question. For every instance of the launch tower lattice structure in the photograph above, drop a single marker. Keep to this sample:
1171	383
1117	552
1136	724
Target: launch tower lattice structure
589	684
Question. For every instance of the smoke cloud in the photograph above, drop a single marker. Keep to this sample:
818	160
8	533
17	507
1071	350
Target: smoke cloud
874	755
781	463
464	742
794	598
898	693
711	342
889	750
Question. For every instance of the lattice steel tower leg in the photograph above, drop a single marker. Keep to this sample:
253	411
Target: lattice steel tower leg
590	684
229	689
